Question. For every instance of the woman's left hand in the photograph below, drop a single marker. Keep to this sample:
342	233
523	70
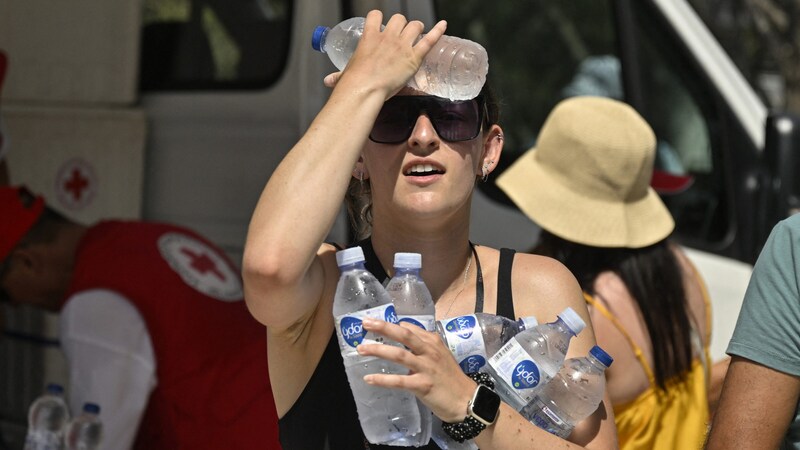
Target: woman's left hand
434	376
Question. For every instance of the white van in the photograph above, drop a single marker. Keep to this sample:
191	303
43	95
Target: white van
180	110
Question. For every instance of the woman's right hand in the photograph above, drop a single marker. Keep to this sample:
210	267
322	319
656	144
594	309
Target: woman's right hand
386	59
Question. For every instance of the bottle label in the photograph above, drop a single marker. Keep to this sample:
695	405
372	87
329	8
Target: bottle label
516	368
465	341
425	322
350	328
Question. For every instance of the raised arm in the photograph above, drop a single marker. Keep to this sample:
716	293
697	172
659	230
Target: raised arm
299	204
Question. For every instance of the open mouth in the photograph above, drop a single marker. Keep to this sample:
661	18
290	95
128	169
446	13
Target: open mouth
422	170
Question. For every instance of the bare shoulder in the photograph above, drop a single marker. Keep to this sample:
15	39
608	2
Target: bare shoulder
544	287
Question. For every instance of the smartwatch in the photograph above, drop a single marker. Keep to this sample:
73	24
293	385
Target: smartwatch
482	410
484	406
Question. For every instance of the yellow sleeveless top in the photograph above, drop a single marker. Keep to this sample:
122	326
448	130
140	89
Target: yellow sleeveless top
676	418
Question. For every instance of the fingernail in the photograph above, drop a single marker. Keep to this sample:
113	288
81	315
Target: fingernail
368	379
370	322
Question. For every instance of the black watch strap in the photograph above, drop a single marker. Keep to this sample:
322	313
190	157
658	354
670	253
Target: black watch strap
471	427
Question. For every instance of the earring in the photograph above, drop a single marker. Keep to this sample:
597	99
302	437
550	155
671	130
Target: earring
485	170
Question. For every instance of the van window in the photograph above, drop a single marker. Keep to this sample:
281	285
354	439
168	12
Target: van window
213	44
543	51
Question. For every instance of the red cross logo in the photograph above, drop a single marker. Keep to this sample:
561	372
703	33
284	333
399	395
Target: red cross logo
76	184
202	263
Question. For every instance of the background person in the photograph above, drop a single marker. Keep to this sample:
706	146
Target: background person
413	161
586	183
760	403
152	324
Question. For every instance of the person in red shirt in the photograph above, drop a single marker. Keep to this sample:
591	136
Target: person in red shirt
152	323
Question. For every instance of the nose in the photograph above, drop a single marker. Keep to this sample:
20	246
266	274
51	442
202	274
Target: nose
423	135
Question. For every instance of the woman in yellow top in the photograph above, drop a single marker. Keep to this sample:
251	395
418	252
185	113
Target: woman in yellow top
586	183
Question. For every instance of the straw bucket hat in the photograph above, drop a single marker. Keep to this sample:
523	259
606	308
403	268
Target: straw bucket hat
587	180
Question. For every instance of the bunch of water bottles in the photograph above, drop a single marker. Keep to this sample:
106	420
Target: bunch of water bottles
50	426
523	357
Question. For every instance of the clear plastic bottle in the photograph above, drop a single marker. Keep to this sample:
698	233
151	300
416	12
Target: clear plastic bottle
531	358
413	304
385	414
455	68
47	418
572	395
85	431
474	338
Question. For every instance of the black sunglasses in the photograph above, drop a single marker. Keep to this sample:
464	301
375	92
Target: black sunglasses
453	121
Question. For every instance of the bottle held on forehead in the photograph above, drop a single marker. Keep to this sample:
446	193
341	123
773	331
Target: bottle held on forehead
413	304
531	358
455	68
47	417
572	395
474	338
386	415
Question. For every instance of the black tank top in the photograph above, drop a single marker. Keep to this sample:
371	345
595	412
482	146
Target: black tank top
324	417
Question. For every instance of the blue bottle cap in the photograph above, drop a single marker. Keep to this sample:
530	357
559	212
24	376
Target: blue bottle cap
601	355
92	408
316	37
54	388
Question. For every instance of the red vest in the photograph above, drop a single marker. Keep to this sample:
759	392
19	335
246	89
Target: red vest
213	387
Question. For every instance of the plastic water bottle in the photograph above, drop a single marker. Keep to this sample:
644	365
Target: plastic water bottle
474	338
47	417
386	415
413	304
531	358
454	68
572	395
85	431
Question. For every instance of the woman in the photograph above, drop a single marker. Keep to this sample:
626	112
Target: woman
421	180
587	185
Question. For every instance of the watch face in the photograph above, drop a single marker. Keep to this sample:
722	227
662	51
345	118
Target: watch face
485	404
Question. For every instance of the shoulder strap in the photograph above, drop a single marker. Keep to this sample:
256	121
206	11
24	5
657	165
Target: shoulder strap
638	351
372	263
478	280
505	295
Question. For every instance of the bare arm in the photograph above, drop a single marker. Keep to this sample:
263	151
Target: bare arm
756	407
718	371
438	381
299	203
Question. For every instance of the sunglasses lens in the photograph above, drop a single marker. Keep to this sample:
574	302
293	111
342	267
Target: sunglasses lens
395	122
453	121
457	121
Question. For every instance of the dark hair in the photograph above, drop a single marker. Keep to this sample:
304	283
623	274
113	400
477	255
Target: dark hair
44	231
653	277
359	193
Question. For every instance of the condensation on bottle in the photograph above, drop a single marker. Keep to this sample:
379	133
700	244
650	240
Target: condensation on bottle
532	358
455	68
572	395
413	304
474	338
385	414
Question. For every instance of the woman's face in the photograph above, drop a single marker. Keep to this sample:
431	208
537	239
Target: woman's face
429	152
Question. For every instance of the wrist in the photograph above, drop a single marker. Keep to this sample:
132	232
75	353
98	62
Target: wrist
482	410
